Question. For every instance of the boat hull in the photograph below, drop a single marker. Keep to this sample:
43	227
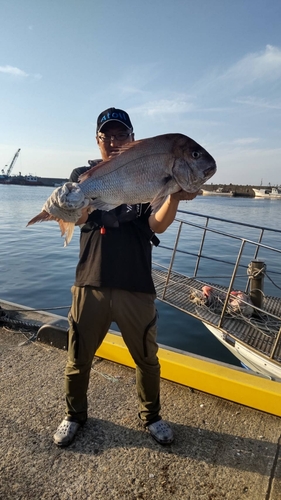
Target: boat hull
249	358
272	194
205	192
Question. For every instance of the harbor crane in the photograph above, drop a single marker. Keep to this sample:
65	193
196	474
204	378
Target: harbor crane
11	166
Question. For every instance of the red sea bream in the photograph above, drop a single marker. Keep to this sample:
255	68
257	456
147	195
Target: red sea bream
143	171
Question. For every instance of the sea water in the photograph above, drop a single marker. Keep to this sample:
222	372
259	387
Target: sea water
37	271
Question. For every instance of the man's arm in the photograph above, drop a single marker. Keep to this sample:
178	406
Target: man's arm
162	219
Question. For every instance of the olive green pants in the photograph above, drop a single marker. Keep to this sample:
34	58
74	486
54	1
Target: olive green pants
91	314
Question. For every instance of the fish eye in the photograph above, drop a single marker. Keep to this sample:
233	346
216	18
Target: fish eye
195	155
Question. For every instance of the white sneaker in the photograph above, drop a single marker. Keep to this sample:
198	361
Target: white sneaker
161	432
66	432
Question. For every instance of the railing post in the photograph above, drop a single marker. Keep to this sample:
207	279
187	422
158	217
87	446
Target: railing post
277	340
220	323
172	260
255	271
255	256
201	248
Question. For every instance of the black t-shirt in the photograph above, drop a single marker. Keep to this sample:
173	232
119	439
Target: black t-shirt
115	247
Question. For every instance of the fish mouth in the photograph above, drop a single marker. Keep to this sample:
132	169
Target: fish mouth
210	171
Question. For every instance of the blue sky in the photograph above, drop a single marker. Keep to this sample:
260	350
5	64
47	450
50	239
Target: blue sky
210	69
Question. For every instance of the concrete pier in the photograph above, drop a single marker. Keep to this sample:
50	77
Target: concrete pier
222	450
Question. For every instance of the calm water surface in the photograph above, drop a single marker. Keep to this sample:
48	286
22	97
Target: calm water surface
37	271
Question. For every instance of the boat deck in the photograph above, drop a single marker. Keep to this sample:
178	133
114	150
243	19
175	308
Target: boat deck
177	290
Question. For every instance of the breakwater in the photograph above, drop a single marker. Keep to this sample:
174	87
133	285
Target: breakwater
30	180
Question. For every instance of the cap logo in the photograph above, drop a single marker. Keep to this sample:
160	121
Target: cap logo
116	116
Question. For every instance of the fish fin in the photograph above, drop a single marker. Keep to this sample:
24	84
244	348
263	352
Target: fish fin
67	230
90	172
102	164
43	216
125	147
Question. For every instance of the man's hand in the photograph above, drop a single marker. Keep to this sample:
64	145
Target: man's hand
183	195
84	216
164	217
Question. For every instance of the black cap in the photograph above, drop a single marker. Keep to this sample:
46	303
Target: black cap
114	115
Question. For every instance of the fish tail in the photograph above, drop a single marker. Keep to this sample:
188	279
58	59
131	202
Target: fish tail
43	216
67	230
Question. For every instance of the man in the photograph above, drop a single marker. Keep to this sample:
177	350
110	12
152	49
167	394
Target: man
114	283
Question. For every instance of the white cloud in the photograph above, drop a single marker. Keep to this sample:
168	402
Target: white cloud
218	93
11	70
259	66
176	106
258	103
254	71
132	83
245	140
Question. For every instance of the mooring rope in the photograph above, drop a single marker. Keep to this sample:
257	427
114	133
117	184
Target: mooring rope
6	319
38	310
253	272
270	279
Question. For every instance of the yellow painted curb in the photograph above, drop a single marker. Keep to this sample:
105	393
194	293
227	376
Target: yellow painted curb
215	378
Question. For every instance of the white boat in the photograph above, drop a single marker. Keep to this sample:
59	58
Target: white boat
217	192
26	180
270	192
254	338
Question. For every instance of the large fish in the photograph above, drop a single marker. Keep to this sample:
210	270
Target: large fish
143	171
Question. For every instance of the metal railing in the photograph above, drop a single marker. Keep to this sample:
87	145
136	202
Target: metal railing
257	244
230	263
